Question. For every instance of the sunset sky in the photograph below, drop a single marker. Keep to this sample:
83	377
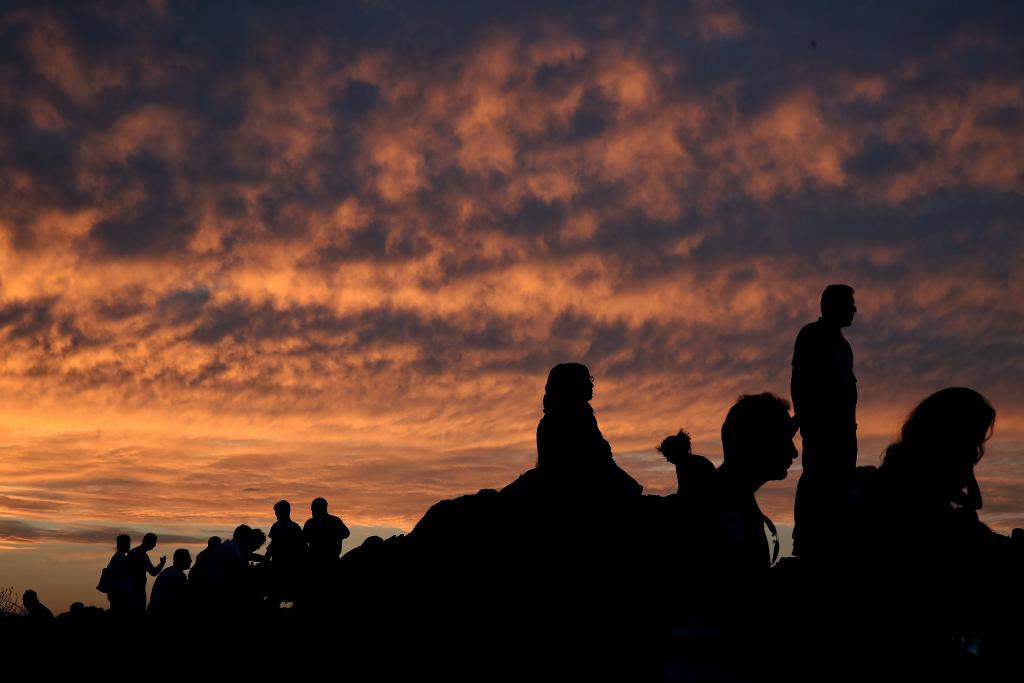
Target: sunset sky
256	250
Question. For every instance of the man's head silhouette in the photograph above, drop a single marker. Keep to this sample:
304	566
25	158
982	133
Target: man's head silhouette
182	559
124	543
318	507
30	599
283	510
757	438
837	305
241	535
149	541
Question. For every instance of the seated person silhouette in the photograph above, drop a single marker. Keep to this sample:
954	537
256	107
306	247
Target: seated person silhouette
169	598
323	533
929	573
694	473
36	613
572	454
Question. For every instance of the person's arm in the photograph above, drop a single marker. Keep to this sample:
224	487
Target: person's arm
153	571
810	374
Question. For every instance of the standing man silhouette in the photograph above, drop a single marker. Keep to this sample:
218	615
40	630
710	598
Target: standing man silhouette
139	565
324	534
824	391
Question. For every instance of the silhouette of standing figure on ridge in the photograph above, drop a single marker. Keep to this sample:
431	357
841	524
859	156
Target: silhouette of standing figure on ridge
324	533
569	443
824	391
285	553
139	566
118	578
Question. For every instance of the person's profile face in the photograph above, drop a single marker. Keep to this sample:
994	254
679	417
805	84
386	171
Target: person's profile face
957	470
843	311
780	456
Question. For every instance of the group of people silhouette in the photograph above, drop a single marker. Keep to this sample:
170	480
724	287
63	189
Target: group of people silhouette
891	560
228	574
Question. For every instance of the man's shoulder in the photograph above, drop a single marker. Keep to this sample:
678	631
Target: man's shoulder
811	329
284	527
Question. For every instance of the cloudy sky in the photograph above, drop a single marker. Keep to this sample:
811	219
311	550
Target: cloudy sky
250	252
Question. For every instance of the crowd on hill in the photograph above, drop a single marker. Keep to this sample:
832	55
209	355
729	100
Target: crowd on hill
571	563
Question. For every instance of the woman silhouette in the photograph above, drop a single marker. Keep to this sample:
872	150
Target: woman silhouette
569	442
935	575
932	465
568	438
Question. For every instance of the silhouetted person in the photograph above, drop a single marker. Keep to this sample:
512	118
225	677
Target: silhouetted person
229	569
732	584
257	577
256	540
927	574
570	445
694	473
139	565
757	447
824	391
323	533
199	575
75	619
36	613
285	553
118	578
169	600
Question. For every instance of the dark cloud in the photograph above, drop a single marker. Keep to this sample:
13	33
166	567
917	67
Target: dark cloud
356	101
158	223
29	504
12	529
184	305
27	318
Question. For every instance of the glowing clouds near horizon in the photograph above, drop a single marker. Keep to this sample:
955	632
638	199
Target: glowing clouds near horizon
329	252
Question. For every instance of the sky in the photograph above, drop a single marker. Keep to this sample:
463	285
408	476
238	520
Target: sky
253	251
